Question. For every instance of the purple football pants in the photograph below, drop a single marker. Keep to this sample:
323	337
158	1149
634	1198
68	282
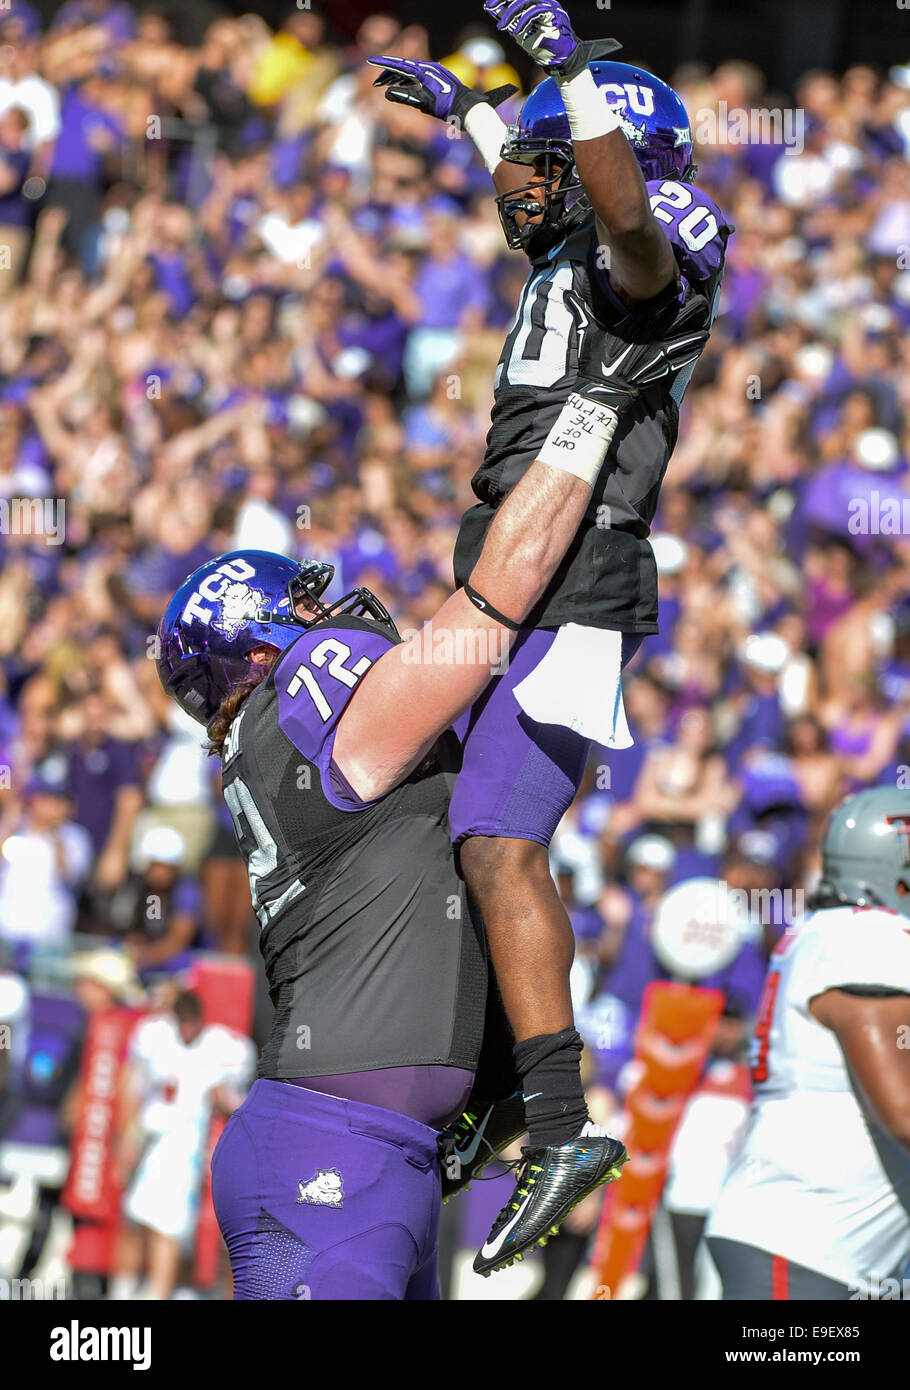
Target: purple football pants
518	778
320	1198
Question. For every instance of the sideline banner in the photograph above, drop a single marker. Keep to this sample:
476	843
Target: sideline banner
92	1192
674	1037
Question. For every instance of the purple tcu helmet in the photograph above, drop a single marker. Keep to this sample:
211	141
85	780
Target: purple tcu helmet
654	122
237	602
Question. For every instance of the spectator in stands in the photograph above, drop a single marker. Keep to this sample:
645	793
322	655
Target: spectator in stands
159	910
107	787
43	863
16	212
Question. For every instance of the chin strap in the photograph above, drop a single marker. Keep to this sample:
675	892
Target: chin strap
544	238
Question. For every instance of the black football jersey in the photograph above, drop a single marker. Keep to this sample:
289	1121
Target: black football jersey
608	577
372	957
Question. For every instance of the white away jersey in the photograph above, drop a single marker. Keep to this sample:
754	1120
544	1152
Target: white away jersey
178	1080
817	1180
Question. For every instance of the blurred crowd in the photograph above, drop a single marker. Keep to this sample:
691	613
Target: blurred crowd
244	301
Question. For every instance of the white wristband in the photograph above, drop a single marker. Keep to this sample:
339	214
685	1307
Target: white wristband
488	131
586	106
580	438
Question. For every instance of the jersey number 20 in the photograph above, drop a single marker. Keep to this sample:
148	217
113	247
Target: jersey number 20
698	227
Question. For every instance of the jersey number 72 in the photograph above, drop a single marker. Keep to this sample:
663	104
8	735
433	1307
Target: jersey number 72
303	677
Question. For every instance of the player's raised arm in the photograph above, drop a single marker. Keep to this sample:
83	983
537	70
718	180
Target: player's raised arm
419	687
433	89
641	258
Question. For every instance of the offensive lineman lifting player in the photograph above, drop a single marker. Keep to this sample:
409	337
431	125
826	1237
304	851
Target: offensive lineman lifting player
596	186
337	767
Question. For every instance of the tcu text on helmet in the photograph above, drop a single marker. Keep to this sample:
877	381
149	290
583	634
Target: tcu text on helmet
636	98
213	587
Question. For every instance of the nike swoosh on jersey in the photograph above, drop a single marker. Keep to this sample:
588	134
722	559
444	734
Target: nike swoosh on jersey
489	1251
609	370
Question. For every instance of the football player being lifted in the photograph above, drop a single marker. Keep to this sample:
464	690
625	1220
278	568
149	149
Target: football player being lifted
595	185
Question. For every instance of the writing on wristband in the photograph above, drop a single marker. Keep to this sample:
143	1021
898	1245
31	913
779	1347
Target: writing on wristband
580	438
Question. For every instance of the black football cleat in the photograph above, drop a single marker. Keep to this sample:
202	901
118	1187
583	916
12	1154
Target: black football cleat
475	1138
551	1181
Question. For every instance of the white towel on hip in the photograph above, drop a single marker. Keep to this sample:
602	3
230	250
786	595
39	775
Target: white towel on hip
578	684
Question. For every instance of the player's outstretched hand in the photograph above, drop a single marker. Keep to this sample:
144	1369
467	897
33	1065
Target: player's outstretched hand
431	88
543	30
616	365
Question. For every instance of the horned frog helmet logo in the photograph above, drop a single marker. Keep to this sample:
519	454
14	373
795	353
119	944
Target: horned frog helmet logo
635	134
239	606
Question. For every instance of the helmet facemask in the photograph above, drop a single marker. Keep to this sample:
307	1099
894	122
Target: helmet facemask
564	199
309	586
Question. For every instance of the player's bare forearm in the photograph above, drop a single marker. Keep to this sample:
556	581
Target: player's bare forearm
440	670
528	538
641	260
614	183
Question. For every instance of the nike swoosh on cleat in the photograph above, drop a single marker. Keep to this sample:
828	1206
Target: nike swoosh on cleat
468	1154
490	1251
